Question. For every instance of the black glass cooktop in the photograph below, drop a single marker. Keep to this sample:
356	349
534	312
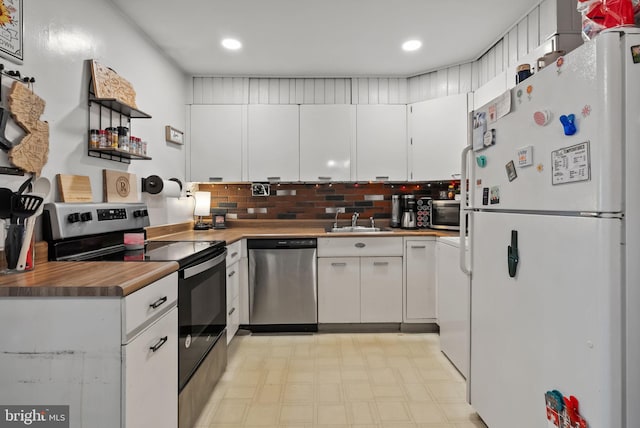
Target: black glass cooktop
184	252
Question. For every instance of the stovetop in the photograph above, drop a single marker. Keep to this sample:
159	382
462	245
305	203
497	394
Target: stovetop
184	252
95	232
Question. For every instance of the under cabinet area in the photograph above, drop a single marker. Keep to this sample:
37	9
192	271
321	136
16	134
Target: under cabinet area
114	361
359	280
420	280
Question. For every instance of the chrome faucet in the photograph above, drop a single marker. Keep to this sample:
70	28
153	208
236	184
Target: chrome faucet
354	219
373	222
335	222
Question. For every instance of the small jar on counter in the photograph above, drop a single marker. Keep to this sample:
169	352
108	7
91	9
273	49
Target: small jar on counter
94	138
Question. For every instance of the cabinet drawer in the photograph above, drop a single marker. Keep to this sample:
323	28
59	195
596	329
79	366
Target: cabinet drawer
151	375
233	282
147	304
359	246
234	252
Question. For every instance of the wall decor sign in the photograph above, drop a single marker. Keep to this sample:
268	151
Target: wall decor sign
11	29
173	135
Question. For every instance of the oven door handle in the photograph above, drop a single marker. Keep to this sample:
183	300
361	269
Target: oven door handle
194	270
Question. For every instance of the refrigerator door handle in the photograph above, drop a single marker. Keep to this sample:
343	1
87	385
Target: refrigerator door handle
463	211
512	254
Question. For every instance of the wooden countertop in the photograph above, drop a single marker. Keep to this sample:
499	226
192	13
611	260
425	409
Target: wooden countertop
84	279
234	234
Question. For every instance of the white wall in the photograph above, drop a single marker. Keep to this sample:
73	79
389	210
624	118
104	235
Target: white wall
59	36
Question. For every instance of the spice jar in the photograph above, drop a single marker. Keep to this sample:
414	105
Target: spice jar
94	141
113	137
103	139
133	145
123	138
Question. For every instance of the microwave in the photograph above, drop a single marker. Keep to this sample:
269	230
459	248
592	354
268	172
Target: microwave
444	215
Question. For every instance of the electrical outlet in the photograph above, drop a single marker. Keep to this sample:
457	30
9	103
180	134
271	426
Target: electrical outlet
260	189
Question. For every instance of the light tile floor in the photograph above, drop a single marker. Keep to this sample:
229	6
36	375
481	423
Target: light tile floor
389	380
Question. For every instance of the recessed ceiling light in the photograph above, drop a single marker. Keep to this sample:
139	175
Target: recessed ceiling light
411	45
231	44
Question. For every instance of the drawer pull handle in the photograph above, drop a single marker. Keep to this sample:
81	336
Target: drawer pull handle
235	253
324	178
158	303
418	246
338	264
273	178
215	178
232	273
382	178
158	345
360	245
232	311
380	263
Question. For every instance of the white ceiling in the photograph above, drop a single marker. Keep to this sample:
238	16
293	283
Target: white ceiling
323	37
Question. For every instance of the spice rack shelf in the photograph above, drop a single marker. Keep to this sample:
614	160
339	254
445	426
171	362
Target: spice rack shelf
115	113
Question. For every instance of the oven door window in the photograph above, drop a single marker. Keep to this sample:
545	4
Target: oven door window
202	303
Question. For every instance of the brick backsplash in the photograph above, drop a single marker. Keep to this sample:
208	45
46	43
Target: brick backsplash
316	201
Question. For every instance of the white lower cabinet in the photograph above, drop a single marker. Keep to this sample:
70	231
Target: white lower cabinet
112	360
149	386
359	280
381	289
339	290
234	280
420	280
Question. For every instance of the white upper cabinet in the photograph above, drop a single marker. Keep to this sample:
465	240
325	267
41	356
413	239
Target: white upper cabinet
437	133
272	142
216	142
381	142
327	135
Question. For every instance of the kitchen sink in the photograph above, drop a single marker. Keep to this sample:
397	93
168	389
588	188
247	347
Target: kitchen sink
354	229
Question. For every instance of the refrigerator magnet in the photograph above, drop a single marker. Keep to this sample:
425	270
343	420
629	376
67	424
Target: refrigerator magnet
635	54
485	196
479	129
542	117
489	138
481	161
494	195
525	156
511	171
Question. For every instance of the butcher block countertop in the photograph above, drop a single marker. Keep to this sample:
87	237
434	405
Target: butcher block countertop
84	279
280	229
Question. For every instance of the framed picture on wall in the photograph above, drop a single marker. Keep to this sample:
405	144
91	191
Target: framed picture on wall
11	29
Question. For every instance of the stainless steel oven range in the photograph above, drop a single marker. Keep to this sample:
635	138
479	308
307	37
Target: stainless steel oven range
96	231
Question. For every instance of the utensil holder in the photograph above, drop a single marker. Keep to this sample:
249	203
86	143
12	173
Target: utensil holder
14	241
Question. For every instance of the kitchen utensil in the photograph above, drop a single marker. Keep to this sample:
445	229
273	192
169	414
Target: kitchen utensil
26	242
6	198
74	188
22	207
42	187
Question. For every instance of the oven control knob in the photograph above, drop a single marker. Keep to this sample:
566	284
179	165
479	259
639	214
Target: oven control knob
73	218
140	213
86	216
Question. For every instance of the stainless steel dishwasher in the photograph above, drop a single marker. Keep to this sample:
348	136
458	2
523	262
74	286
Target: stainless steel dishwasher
283	290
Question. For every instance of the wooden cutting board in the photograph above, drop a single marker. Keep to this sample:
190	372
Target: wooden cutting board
74	188
119	186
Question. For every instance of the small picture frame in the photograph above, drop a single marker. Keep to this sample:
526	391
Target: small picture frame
173	135
219	220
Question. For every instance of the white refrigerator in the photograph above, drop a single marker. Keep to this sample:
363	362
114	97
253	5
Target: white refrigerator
554	220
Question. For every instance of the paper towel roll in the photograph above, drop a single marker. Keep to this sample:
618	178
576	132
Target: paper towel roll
170	189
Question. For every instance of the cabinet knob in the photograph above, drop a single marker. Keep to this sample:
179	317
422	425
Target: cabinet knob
235	253
360	245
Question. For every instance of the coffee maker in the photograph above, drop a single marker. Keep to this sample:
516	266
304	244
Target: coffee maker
409	218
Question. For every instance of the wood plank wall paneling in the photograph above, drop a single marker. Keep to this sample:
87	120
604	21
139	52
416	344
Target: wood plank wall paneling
549	18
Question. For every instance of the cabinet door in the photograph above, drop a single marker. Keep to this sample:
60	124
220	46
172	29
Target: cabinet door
339	290
151	377
273	146
381	289
327	133
438	133
381	141
233	299
420	280
216	143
